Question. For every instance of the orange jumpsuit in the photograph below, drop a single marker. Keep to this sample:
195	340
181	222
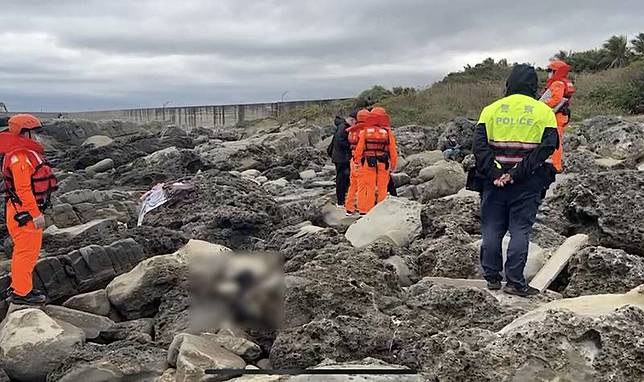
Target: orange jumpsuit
559	89
27	240
375	179
355	177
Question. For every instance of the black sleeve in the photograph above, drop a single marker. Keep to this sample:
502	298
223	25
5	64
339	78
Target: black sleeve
485	160
342	138
549	143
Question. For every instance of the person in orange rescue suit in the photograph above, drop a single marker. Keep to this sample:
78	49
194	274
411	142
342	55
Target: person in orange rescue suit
29	182
355	172
378	153
558	94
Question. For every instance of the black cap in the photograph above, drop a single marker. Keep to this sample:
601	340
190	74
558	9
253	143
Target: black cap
522	80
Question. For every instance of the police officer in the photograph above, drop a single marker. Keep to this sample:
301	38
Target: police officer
513	140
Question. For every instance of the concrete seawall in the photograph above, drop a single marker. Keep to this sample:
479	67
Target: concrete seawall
194	116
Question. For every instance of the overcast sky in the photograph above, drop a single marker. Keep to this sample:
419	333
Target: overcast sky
68	55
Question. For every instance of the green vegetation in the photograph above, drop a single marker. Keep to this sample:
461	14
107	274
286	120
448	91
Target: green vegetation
609	80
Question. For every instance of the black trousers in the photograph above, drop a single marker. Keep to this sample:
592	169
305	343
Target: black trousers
342	176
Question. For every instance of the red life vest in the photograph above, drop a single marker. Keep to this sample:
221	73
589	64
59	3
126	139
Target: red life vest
43	180
354	135
376	141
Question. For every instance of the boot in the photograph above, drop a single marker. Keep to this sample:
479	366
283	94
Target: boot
32	298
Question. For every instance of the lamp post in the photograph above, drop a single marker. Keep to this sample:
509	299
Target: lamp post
163	108
283	95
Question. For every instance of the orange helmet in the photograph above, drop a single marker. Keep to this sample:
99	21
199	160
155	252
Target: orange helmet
20	122
382	117
363	115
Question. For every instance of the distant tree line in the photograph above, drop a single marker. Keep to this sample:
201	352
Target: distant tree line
615	53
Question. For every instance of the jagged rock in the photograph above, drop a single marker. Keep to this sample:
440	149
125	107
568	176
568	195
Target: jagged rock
93	302
32	344
168	376
191	355
3	376
417	162
299	250
102	227
366	363
442	216
405	275
447	257
560	346
462	128
141	330
91	324
441	179
119	361
98	141
596	270
413	139
251	173
233	211
86	269
400	179
395	219
160	166
606	206
614	137
136	294
63	215
242	347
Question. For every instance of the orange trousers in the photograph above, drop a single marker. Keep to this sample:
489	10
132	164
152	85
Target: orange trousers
557	156
27	241
374	182
354	184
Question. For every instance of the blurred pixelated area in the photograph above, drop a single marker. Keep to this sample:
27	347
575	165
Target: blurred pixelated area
236	290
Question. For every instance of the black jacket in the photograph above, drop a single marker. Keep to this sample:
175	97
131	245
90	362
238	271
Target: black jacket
341	152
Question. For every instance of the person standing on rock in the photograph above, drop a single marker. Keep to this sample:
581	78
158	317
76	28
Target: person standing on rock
513	140
355	182
341	156
29	183
378	153
558	94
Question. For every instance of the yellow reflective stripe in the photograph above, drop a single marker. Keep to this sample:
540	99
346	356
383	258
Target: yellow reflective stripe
497	164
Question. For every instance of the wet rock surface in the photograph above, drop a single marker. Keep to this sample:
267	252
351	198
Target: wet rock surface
398	288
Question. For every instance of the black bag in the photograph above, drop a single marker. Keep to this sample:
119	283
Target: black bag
474	181
329	150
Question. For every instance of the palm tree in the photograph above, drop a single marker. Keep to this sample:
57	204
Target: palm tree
638	44
562	55
617	51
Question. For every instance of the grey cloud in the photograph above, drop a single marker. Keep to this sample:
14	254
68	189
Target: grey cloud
90	54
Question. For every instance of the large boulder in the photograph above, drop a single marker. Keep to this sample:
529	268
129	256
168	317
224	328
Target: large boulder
227	209
558	345
160	166
32	344
413	139
447	257
614	137
412	164
192	355
86	269
596	270
395	219
91	324
461	128
444	216
607	206
92	302
119	361
136	294
441	179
